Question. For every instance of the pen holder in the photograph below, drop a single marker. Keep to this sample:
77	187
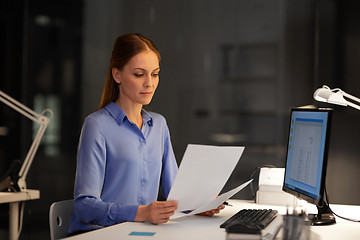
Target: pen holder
295	227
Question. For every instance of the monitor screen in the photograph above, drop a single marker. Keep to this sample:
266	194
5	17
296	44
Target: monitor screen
307	150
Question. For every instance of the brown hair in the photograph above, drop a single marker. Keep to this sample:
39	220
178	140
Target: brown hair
125	47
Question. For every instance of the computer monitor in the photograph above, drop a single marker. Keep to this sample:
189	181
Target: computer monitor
306	159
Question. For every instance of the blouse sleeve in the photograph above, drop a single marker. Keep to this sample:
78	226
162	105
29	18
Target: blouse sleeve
169	166
91	162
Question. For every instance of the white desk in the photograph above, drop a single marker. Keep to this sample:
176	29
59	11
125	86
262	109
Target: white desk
200	227
14	198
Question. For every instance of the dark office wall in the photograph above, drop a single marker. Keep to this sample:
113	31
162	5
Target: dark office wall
344	164
11	69
40	67
11	77
231	71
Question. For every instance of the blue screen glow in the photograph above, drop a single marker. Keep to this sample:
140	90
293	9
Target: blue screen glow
305	154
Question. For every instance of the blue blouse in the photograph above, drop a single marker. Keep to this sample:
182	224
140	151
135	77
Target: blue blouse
120	167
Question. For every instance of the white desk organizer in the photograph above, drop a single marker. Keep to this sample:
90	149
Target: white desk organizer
270	188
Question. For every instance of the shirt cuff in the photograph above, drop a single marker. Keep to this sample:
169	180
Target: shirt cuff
125	213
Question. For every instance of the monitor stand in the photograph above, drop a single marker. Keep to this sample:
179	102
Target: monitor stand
323	217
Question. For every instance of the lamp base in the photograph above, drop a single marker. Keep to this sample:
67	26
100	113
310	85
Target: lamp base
9	183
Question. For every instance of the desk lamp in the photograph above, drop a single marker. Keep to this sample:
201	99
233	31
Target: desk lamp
335	96
19	183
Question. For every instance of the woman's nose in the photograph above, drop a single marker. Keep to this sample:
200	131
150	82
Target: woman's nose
148	81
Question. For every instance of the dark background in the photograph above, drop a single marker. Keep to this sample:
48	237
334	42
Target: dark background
230	73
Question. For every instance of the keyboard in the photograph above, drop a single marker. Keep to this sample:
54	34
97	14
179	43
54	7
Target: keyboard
249	221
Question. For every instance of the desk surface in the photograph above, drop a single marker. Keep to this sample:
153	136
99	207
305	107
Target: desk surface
28	194
201	227
14	198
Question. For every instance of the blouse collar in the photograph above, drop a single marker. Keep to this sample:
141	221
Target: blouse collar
119	115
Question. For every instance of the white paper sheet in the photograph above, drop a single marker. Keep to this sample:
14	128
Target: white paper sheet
214	203
219	200
202	174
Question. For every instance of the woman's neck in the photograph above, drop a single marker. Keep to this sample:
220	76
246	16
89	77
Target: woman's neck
133	112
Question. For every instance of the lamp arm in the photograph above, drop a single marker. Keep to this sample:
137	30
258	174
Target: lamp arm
21	108
32	151
41	119
353	105
351	97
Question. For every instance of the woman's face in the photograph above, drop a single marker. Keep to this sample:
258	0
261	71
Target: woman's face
138	79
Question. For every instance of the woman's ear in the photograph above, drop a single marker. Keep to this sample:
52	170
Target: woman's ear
116	75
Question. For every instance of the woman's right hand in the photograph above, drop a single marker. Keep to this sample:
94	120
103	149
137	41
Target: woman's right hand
157	212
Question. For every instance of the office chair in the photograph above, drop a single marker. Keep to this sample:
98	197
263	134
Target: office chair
59	218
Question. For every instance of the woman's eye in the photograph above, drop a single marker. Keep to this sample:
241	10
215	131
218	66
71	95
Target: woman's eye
155	74
138	74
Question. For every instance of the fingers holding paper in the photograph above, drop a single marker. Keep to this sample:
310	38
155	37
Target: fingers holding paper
157	212
212	212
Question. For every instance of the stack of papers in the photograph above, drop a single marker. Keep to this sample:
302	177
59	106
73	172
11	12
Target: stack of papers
203	172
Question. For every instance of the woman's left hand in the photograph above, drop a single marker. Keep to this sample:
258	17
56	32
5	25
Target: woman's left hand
213	211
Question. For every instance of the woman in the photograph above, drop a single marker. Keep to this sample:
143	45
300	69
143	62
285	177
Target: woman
125	152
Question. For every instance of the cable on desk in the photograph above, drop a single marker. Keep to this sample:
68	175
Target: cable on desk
21	219
345	218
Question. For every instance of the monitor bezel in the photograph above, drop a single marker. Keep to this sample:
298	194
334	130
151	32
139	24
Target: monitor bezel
319	201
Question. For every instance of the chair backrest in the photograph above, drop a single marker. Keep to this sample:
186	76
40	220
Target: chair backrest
59	218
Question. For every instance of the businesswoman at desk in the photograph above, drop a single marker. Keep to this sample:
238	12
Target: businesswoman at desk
125	152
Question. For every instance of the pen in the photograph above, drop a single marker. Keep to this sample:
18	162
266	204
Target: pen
227	204
186	212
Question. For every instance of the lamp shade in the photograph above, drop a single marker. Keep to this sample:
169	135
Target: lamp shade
325	94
